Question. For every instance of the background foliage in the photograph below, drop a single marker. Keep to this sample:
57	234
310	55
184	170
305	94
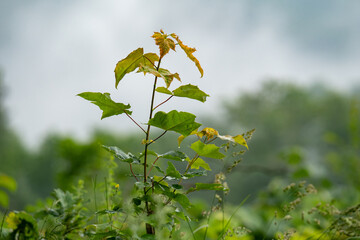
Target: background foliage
303	134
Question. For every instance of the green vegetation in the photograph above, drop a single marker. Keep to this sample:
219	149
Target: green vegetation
298	181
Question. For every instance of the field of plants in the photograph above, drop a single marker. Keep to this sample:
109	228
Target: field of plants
279	163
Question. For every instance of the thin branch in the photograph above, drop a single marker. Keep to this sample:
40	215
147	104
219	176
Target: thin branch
152	165
163	102
211	140
135	122
157	138
157	182
133	172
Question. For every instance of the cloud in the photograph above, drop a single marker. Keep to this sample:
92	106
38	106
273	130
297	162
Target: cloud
53	50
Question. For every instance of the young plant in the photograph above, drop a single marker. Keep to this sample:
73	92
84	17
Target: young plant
165	188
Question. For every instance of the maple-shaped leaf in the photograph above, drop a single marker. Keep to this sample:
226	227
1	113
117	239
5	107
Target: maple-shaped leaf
164	43
132	62
105	103
162	73
207	150
181	122
189	52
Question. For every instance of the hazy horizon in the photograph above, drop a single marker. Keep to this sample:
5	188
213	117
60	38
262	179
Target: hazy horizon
51	51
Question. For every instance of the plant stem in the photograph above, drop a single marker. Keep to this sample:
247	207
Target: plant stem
148	128
149	228
2	222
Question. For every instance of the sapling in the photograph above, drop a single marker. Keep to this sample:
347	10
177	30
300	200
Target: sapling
167	183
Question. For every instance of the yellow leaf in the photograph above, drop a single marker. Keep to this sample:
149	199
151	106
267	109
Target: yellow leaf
189	52
164	43
208	132
182	137
12	220
240	140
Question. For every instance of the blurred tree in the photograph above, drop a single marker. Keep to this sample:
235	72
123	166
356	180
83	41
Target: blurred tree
285	116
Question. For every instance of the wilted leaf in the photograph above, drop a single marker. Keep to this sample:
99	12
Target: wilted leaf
164	43
239	139
105	103
161	73
208	132
207	150
181	122
133	61
189	52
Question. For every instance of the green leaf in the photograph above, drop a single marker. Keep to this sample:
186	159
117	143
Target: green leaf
128	64
177	186
208	186
106	211
7	182
147	237
159	169
172	172
104	235
163	90
133	61
149	152
190	91
301	173
195	173
180	122
183	200
4	199
201	163
160	180
66	199
105	103
136	201
207	150
174	155
161	73
121	155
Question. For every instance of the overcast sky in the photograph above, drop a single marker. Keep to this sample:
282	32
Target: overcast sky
52	50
